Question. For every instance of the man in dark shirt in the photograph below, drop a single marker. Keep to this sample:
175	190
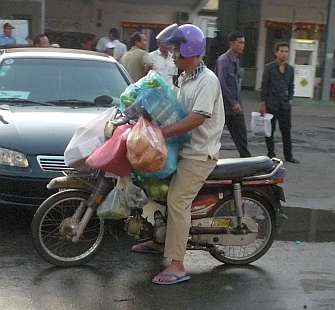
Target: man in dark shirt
228	71
277	93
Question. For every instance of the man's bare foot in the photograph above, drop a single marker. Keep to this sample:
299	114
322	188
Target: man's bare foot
149	247
173	273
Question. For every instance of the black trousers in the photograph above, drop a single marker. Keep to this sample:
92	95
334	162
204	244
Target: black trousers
238	131
284	119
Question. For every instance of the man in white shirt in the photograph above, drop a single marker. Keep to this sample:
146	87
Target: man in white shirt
200	95
163	62
112	45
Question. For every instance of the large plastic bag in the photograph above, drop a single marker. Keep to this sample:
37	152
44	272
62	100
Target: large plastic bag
261	124
112	155
155	96
115	205
130	94
146	148
86	139
169	167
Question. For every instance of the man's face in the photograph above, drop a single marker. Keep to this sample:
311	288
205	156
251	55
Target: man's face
44	42
7	31
238	45
282	54
177	58
164	49
182	63
142	43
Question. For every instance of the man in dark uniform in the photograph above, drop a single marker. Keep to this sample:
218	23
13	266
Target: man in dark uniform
228	71
277	93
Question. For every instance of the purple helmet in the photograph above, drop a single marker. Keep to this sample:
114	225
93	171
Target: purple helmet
190	39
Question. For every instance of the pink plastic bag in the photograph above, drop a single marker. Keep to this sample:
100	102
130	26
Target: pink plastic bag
112	155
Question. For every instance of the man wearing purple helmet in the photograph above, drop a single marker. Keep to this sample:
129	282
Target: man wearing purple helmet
200	94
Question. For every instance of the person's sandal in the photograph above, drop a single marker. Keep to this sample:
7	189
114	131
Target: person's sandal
146	248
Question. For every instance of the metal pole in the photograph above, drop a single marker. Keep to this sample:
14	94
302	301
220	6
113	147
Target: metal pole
329	52
42	16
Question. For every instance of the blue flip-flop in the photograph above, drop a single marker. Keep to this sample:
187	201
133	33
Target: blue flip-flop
178	279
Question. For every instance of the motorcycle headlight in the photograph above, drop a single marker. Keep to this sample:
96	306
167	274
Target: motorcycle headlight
12	158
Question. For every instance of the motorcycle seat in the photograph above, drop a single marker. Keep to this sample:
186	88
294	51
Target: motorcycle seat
238	168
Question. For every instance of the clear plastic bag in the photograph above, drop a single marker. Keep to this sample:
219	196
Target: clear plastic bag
119	202
135	196
146	148
115	205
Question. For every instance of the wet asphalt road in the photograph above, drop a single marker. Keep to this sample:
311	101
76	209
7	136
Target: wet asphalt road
291	276
294	274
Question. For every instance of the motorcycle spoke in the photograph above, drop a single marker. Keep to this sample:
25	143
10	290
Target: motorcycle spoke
252	209
62	247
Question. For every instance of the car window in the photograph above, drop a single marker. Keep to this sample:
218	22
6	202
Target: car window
42	80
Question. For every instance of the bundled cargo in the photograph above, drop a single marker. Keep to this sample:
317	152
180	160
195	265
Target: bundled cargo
155	96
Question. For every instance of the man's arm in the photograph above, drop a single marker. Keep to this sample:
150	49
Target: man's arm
147	62
100	45
193	120
222	73
291	85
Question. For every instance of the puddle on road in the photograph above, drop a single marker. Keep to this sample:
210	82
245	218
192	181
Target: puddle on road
307	225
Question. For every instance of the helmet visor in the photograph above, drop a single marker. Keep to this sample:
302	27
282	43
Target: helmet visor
171	35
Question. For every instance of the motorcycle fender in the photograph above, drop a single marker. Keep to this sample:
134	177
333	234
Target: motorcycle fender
279	193
67	183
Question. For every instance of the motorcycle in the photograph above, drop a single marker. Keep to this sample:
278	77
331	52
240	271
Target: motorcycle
234	217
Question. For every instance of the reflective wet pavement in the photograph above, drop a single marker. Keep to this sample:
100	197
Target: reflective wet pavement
297	273
290	276
309	225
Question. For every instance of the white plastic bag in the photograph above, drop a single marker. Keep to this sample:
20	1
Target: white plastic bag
261	124
115	205
86	139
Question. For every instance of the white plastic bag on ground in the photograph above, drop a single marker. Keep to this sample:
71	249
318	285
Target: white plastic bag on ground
86	139
261	124
115	205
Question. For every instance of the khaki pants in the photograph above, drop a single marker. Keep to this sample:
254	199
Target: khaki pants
184	187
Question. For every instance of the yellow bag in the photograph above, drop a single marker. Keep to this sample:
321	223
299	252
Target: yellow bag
146	148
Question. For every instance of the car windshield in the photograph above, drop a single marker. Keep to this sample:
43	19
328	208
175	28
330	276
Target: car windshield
59	81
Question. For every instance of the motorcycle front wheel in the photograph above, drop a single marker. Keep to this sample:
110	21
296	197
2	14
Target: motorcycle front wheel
259	210
52	232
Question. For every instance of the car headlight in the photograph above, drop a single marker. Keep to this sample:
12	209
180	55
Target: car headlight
12	158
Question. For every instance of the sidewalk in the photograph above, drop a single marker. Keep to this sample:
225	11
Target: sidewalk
311	183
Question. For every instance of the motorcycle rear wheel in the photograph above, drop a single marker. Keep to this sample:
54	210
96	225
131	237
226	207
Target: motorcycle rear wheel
264	215
48	239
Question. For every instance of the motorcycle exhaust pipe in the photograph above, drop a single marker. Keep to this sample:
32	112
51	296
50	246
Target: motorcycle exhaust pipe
208	230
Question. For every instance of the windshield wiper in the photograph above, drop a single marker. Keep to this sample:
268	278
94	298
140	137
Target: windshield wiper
71	101
24	101
81	102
